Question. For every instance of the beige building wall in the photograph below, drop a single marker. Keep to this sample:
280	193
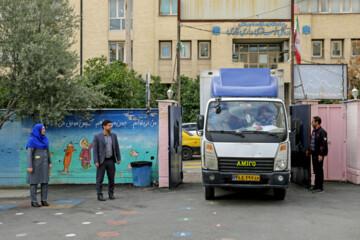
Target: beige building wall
329	27
149	28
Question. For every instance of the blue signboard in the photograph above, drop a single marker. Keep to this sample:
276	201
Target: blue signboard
306	29
276	29
216	30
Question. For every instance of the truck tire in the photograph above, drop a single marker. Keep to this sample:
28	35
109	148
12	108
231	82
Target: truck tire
209	193
279	193
187	153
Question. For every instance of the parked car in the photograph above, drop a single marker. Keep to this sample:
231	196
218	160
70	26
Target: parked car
190	127
190	145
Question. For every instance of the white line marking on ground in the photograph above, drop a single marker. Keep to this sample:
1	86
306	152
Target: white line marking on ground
70	235
21	235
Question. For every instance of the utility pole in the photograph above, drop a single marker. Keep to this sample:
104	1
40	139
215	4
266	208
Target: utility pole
128	34
292	53
178	55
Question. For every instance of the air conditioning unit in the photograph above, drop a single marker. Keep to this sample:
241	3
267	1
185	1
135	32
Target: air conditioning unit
285	46
286	57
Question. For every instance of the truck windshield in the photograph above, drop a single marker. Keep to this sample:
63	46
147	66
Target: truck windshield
246	117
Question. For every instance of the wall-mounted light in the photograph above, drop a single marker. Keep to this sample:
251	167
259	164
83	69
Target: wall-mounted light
170	93
355	93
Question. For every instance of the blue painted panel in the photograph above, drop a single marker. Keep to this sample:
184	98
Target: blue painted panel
70	145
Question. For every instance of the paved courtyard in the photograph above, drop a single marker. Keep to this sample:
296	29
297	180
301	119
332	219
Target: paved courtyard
153	213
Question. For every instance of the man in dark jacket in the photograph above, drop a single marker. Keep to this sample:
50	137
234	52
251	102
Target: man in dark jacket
318	150
106	152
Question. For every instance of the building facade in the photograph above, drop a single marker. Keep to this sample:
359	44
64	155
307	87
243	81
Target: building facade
327	28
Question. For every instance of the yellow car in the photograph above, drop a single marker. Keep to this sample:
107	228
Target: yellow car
190	145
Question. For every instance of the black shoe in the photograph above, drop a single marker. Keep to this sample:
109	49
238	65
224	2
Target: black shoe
35	204
111	197
101	198
318	191
44	203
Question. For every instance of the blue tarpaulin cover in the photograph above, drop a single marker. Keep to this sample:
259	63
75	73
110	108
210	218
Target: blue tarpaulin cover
244	82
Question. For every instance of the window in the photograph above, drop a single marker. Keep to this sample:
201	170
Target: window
168	7
355	6
336	48
117	14
314	6
116	51
165	50
346	5
324	5
355	47
335	6
304	6
317	48
186	50
259	55
204	50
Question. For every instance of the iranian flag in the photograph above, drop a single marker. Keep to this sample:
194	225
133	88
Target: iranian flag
297	42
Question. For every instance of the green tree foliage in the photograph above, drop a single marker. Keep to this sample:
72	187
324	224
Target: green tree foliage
158	90
123	88
37	65
190	98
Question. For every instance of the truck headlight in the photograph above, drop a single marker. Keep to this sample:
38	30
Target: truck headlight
281	158
211	160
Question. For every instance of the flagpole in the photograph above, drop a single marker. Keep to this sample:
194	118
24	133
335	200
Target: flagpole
292	53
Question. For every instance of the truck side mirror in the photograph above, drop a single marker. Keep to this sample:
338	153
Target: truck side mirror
200	122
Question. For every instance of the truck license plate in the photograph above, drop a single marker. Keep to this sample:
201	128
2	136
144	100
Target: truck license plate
255	178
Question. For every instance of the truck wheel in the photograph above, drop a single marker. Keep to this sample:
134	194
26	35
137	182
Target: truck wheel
209	193
187	153
279	193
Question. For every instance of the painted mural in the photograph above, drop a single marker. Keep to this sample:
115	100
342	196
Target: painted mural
71	147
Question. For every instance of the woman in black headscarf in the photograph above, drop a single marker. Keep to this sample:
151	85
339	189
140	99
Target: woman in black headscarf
38	164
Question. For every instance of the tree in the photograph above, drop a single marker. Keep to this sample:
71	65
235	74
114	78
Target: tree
190	98
158	90
123	88
37	68
353	69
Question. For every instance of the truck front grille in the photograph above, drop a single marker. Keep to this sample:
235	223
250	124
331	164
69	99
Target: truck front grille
246	164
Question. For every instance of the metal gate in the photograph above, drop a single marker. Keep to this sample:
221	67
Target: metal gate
334	122
300	137
175	146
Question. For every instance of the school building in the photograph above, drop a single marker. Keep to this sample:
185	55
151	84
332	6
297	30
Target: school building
327	28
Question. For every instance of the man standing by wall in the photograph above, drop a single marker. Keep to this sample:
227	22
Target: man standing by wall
318	150
106	152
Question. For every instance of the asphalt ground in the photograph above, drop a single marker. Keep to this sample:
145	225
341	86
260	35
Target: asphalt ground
153	213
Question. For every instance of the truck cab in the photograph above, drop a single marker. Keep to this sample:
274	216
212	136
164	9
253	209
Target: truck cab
244	129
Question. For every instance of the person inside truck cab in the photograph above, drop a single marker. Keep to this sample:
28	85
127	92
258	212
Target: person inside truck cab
231	120
265	117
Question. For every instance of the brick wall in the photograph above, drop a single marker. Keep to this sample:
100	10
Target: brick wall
164	142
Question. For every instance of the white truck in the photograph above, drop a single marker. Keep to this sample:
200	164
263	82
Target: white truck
244	129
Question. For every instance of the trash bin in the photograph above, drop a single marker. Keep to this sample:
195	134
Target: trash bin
141	173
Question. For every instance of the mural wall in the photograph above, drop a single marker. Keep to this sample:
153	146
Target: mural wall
71	147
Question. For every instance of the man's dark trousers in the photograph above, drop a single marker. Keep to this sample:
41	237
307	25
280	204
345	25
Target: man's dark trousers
319	171
109	167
